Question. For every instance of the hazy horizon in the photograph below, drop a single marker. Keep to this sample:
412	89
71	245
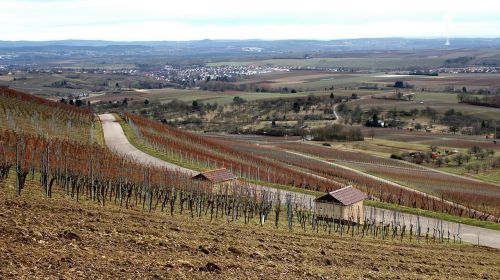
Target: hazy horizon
257	39
153	20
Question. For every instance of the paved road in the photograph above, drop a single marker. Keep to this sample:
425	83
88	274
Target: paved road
372	177
117	141
470	234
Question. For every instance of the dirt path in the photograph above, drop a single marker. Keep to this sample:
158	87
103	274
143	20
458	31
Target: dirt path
116	140
337	117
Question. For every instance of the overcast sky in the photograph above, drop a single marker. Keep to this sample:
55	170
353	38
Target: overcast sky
252	19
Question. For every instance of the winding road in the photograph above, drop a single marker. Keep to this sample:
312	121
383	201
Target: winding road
116	140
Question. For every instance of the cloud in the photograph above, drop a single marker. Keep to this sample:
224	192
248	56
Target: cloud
223	19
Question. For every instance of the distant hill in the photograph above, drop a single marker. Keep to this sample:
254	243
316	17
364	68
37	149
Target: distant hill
344	44
147	53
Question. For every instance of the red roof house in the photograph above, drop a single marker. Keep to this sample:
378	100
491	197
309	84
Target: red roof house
216	176
343	204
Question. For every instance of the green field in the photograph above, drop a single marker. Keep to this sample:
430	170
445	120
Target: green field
222	98
43	83
439	101
309	80
315	79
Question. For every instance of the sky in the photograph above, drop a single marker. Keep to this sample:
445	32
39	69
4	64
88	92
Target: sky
156	20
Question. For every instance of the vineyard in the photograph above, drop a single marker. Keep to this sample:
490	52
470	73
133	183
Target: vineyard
26	113
348	156
264	164
210	153
93	173
78	169
84	171
472	194
63	239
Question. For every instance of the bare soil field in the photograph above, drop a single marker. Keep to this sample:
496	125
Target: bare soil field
59	238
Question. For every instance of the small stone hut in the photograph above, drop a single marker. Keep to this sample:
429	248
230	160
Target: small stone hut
220	179
343	204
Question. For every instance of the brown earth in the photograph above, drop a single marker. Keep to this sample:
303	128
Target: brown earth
61	239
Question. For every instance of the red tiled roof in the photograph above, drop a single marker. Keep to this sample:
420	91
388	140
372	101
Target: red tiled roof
346	196
216	176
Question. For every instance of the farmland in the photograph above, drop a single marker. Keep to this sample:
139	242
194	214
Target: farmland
98	148
64	83
131	242
258	163
134	203
221	98
106	178
457	80
438	100
58	120
453	188
405	139
376	162
355	62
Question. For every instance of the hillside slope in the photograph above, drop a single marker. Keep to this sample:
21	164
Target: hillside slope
59	238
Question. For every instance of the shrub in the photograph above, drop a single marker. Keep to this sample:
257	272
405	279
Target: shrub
337	132
393	156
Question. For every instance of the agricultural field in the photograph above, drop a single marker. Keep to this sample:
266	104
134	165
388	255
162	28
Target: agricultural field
25	113
57	85
308	80
440	101
156	245
457	189
113	198
408	140
469	80
258	163
385	60
221	98
344	62
273	113
318	80
387	142
212	154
